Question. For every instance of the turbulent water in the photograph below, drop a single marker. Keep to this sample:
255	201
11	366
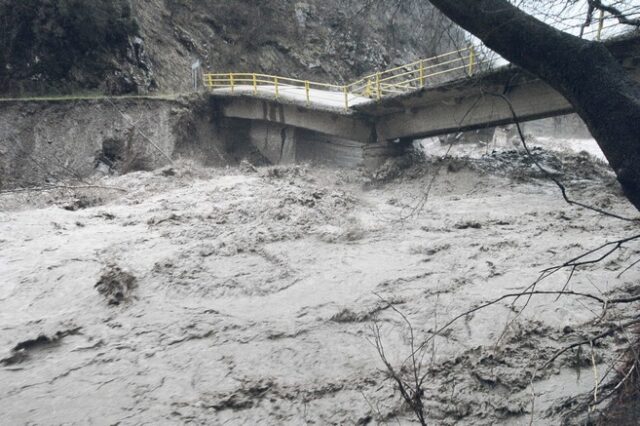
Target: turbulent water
244	296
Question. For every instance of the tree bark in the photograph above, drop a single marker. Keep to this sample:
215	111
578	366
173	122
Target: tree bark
603	94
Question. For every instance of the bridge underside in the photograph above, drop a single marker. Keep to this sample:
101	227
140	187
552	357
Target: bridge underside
335	122
469	105
461	105
282	143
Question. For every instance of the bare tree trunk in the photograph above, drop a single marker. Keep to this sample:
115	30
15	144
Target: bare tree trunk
605	96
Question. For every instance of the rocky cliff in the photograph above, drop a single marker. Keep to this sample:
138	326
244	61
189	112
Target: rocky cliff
70	46
157	41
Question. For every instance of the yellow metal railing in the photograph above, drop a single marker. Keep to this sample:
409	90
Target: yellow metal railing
375	86
415	75
255	81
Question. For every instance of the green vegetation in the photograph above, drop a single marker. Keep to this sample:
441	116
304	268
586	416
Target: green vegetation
50	45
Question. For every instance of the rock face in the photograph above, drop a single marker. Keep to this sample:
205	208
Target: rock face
327	40
44	142
156	42
69	46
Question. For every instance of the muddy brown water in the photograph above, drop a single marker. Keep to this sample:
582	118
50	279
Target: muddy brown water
255	295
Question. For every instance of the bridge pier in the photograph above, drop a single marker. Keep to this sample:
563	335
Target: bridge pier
288	133
377	153
277	142
282	144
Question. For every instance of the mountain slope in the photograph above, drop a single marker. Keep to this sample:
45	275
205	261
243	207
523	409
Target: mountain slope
327	40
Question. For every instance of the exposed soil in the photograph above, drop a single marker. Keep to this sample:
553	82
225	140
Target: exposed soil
256	290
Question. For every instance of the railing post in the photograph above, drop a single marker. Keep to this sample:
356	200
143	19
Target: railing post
600	26
232	82
307	89
367	89
472	60
378	87
422	82
346	98
255	85
275	85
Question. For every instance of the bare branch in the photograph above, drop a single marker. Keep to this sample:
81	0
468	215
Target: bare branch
609	332
563	189
53	187
620	15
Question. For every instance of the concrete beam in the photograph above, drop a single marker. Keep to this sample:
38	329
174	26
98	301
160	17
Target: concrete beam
472	108
467	104
350	126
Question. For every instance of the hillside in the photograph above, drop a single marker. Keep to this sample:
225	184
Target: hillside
116	47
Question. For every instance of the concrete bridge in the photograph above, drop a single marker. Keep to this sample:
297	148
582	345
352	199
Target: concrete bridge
343	125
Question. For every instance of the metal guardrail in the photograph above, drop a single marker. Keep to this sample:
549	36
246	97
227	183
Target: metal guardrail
374	86
234	81
416	74
397	80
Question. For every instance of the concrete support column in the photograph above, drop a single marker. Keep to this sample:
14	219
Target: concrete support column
282	144
376	154
276	142
381	149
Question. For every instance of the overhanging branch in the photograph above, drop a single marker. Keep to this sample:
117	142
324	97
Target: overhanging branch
620	16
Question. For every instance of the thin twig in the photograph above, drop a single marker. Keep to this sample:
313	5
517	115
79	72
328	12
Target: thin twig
602	335
533	399
412	393
629	267
500	299
624	379
147	138
54	187
621	16
595	373
563	189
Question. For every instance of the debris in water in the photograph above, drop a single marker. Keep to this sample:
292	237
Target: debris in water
116	285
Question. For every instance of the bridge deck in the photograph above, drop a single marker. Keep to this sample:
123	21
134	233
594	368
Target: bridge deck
317	99
458	105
